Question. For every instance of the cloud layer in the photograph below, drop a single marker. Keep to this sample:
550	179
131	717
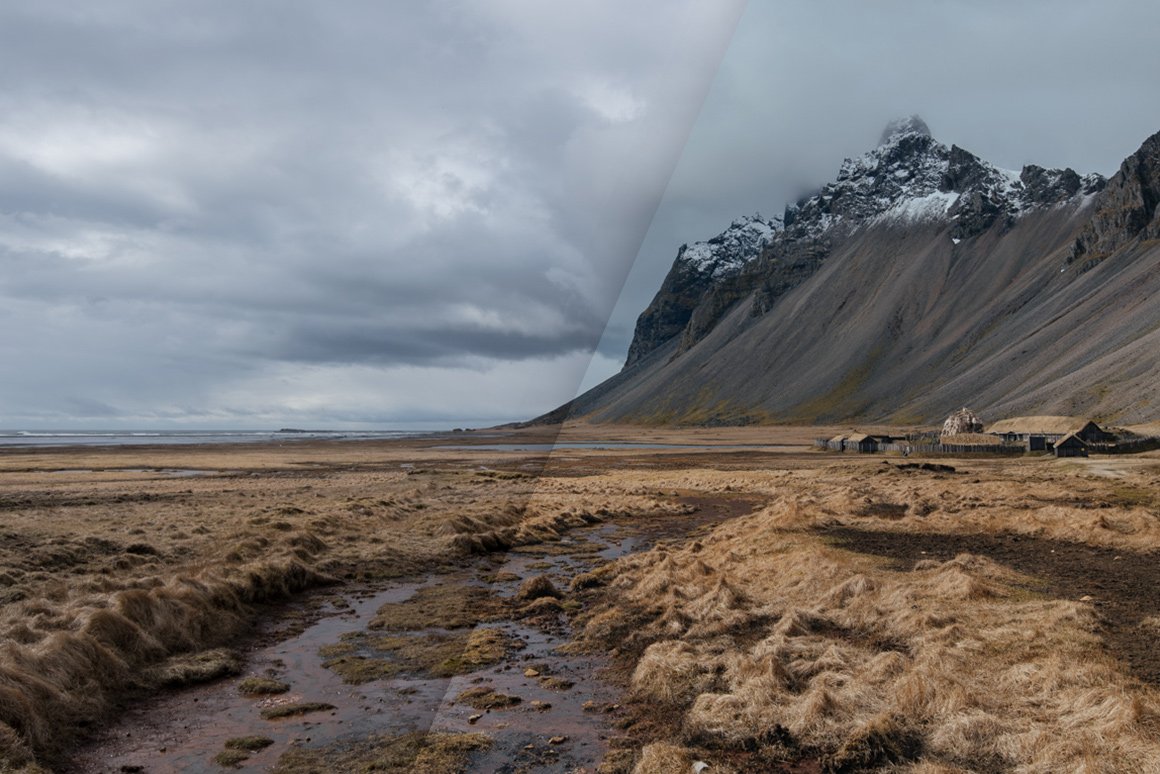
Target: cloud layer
348	212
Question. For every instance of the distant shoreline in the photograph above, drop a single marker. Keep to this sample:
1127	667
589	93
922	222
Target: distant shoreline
57	438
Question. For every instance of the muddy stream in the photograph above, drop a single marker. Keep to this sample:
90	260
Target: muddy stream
560	722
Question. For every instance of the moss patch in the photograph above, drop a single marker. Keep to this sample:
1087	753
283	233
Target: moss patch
262	686
413	753
487	646
230	759
292	710
450	606
362	657
486	698
251	743
356	670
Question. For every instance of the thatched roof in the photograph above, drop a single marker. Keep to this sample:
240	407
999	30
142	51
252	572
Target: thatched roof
971	439
1047	425
962	421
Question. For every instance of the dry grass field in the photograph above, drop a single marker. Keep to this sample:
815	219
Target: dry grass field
857	613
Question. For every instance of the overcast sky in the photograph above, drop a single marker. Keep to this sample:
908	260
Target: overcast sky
371	214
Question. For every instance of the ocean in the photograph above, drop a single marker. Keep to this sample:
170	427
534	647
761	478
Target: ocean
171	437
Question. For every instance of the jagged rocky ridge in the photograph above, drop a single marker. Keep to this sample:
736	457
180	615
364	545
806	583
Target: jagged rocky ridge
909	177
921	279
1127	210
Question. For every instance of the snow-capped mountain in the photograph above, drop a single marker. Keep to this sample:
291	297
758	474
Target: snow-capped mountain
908	178
922	278
911	176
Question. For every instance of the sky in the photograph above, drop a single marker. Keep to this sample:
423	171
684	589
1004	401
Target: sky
362	214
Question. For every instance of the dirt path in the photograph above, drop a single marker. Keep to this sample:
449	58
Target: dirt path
1122	585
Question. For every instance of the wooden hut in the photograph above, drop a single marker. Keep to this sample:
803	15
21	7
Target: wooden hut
1093	433
1071	445
867	444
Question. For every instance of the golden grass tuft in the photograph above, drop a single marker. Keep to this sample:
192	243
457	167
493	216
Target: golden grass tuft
664	758
536	587
486	646
250	743
191	668
670	673
148	636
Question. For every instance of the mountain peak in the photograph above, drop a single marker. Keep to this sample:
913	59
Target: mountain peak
910	125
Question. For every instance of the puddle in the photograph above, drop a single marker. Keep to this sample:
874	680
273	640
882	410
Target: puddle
612	446
171	472
183	731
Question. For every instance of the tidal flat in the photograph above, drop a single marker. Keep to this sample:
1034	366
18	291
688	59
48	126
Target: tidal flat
726	596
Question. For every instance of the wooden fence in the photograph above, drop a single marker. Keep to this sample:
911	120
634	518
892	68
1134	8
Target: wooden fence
951	448
1132	446
903	447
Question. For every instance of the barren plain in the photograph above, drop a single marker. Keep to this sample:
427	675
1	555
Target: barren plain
476	602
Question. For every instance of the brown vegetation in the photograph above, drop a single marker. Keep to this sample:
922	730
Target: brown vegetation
117	576
791	634
767	640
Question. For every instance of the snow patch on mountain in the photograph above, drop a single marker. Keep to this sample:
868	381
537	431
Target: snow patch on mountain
728	252
932	206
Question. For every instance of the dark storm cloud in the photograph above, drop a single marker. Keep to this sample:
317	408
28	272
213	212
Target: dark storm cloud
356	207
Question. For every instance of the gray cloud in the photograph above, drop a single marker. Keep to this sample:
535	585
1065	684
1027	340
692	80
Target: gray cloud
234	213
284	213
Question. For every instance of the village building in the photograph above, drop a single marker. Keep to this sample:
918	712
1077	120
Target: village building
1071	445
1093	433
1043	433
857	442
962	433
861	442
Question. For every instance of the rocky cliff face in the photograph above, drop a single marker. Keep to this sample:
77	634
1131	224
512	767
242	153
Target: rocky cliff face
1127	210
699	268
920	280
909	178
